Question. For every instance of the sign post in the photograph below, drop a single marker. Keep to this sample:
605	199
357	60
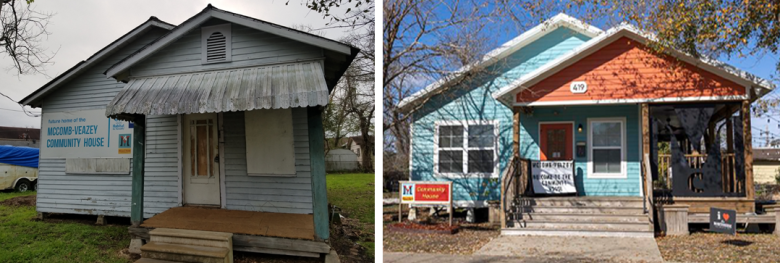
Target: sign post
553	177
426	193
723	221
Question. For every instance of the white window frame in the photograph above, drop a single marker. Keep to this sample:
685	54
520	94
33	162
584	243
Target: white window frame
623	149
465	148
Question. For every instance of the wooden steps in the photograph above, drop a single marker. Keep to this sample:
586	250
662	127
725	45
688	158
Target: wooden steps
178	245
579	216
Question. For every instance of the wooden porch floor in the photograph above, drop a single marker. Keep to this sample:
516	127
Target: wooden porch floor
297	226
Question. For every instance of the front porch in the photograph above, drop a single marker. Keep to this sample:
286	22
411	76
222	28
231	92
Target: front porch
259	232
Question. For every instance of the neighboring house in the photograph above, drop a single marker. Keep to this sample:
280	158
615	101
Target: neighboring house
17	136
222	111
353	143
341	160
568	110
766	165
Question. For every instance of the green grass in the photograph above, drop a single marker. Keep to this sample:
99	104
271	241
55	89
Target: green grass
23	239
354	194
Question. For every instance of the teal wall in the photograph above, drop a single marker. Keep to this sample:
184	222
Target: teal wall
474	102
630	186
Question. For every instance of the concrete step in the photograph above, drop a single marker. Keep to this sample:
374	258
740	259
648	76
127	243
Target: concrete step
582	225
150	260
582	202
192	237
565	232
186	253
606	218
580	210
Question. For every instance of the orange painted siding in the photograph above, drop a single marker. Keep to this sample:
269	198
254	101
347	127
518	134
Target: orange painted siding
626	69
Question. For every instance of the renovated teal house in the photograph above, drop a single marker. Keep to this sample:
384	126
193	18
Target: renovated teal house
558	131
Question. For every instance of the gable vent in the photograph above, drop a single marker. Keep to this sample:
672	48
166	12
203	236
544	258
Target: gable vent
215	44
215	47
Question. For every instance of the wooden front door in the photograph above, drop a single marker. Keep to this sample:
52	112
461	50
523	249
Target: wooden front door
556	141
201	160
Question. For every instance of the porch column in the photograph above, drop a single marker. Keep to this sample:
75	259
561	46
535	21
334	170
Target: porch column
647	171
748	141
137	204
318	188
506	181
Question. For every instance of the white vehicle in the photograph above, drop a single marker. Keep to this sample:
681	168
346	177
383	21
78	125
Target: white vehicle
18	168
18	177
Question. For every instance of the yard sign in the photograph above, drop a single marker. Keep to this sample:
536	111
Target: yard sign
428	193
723	221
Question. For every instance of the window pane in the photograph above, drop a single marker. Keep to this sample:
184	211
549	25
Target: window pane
606	160
481	135
481	161
606	134
450	161
450	136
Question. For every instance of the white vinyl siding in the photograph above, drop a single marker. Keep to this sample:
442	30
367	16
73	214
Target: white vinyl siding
466	148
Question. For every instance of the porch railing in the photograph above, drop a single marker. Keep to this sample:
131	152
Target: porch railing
514	182
731	184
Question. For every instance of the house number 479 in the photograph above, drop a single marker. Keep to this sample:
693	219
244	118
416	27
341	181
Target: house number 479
578	87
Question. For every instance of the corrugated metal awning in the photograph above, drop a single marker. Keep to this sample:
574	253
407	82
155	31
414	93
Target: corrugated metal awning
245	89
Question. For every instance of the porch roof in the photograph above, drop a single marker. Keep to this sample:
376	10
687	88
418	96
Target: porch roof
266	87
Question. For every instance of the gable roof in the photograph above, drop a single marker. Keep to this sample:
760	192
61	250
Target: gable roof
213	12
503	51
33	98
721	69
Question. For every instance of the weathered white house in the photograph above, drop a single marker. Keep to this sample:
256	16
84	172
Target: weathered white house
214	125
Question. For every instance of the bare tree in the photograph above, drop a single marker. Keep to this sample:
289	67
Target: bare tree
23	30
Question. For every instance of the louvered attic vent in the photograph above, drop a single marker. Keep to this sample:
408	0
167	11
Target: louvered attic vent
216	44
215	47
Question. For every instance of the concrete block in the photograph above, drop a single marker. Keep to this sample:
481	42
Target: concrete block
332	257
412	214
774	209
135	245
101	220
674	219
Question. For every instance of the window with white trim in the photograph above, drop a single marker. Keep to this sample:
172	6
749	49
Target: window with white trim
466	148
607	148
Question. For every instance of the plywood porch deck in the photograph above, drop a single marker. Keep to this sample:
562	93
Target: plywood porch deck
296	226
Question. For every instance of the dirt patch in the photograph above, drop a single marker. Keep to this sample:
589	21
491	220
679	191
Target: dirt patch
344	239
125	253
710	247
470	238
409	227
28	200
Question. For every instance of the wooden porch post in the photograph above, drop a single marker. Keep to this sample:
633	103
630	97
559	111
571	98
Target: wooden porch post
137	206
318	187
515	154
648	176
748	141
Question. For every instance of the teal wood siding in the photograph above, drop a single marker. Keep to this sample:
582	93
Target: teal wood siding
474	102
267	193
249	47
630	186
59	192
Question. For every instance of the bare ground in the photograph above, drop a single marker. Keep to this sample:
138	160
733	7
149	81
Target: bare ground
28	200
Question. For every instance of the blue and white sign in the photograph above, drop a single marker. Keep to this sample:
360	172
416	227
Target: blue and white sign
83	134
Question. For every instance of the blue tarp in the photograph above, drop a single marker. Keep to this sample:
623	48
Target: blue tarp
22	156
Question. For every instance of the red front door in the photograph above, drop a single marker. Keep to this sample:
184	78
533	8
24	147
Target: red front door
556	141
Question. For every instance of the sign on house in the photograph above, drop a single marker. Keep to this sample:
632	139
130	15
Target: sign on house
415	192
85	134
553	177
723	221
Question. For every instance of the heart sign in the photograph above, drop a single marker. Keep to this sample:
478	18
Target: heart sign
726	217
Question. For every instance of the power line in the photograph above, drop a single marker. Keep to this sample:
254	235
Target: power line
17	110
